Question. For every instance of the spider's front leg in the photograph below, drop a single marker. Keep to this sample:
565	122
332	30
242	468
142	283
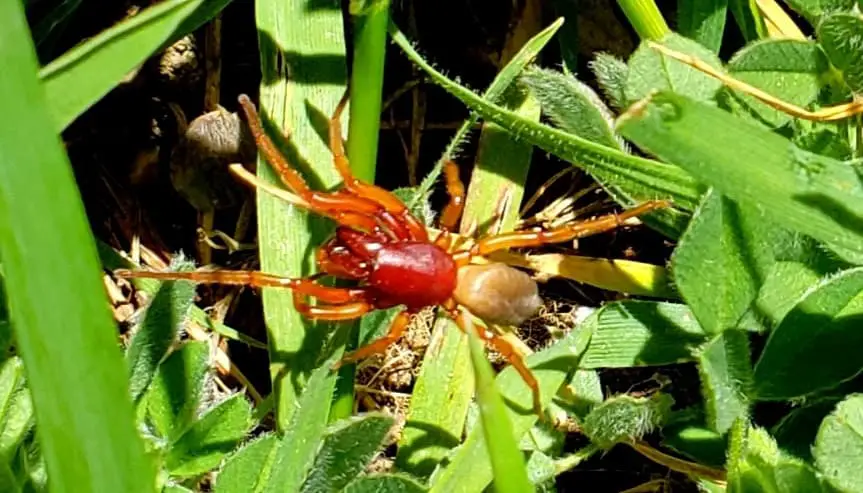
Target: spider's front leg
384	198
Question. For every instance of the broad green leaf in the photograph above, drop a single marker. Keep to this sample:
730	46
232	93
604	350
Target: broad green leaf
814	10
203	445
814	346
80	77
816	196
788	69
64	332
573	106
247	469
723	258
641	333
642	179
469	469
304	432
385	483
651	71
16	407
584	393
841	35
795	432
702	21
175	394
347	448
787	280
507	461
726	378
157	331
439	402
626	418
838	447
611	74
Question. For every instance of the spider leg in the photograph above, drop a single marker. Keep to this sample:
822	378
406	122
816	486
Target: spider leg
521	239
302	287
385	198
508	351
379	345
319	202
455	188
341	213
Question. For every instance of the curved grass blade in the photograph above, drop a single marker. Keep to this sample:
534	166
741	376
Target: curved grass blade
812	194
56	298
502	81
469	469
640	179
77	79
507	461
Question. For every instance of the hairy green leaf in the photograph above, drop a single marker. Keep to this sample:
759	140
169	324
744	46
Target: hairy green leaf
838	447
175	393
203	445
247	470
641	333
841	35
813	347
345	451
726	379
626	418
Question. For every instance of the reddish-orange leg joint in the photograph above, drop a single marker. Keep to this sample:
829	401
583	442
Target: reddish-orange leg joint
378	346
508	351
383	197
522	239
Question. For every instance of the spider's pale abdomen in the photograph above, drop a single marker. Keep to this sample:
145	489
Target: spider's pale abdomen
497	293
413	274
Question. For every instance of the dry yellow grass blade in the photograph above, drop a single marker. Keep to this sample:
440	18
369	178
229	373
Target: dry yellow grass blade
779	23
624	276
831	113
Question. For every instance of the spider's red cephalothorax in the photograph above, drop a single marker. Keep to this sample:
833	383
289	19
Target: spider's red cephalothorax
387	251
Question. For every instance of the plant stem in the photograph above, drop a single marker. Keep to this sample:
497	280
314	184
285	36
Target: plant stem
367	80
645	18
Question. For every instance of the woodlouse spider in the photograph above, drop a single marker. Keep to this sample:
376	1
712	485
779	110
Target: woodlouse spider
388	251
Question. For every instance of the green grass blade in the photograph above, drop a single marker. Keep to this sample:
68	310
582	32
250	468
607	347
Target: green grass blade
301	38
814	195
439	402
494	92
77	79
370	19
642	178
469	468
703	21
507	461
645	18
303	434
57	304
